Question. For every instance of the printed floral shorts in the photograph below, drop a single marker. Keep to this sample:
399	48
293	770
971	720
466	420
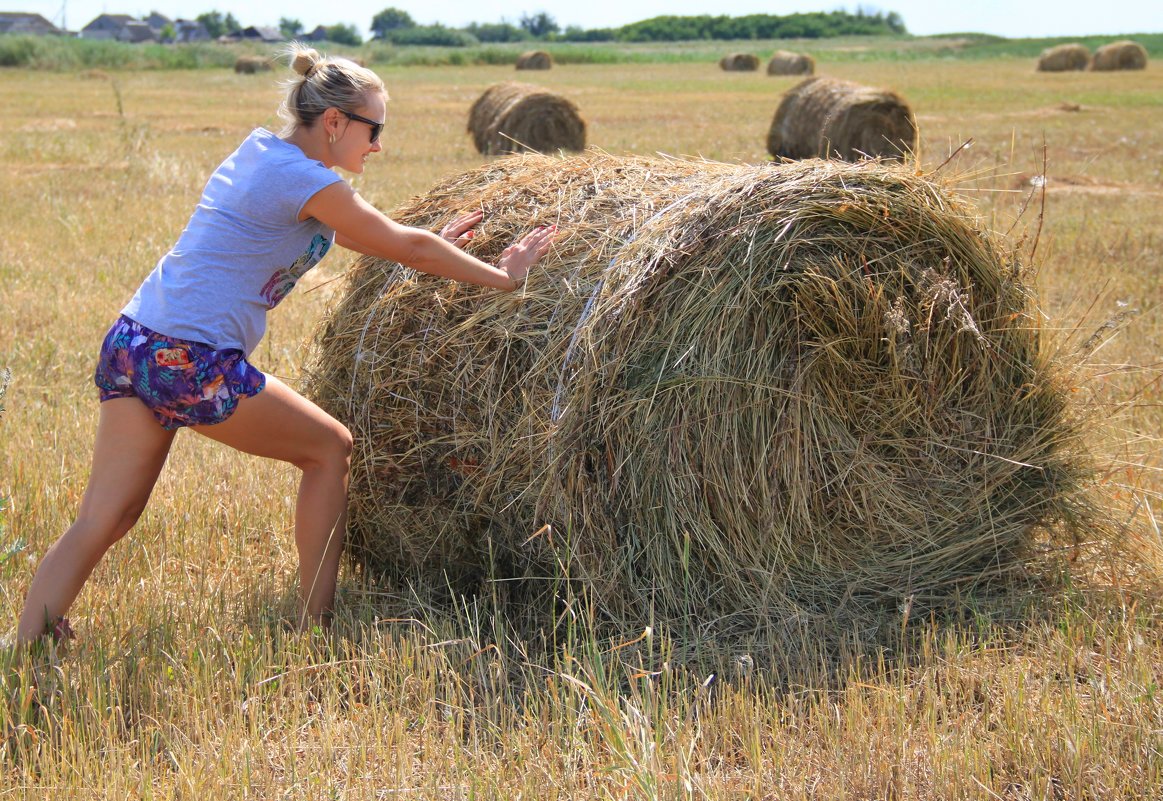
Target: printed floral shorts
183	383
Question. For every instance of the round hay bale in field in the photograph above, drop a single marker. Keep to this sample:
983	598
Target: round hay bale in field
534	60
830	118
1125	55
730	394
514	117
785	62
251	65
1063	58
739	62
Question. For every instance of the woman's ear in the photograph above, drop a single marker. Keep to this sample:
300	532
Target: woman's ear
330	121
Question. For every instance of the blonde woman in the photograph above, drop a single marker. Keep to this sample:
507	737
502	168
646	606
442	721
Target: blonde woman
177	355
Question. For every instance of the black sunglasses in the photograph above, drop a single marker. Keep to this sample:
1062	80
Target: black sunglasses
377	127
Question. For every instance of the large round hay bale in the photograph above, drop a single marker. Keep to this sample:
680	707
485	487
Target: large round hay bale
739	62
785	62
1125	55
514	117
730	394
1063	58
534	60
251	65
830	118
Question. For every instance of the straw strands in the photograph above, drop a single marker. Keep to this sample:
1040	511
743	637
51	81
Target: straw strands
785	62
830	118
513	117
731	396
1063	58
739	62
1125	55
534	60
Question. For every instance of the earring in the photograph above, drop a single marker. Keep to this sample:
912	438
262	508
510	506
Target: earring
332	138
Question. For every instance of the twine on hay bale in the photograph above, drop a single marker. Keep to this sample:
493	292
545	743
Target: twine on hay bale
830	118
732	395
785	62
1063	58
534	60
514	117
1124	55
739	62
251	65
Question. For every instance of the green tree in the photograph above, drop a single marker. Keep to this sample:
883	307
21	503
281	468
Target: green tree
576	33
343	34
496	32
218	25
540	24
391	19
290	28
432	35
813	24
213	22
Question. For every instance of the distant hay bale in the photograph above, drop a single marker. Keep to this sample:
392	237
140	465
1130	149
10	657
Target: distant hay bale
1063	58
785	62
513	117
732	396
739	62
1125	55
250	65
534	60
830	118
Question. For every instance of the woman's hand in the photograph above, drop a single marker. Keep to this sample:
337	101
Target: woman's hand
459	232
519	257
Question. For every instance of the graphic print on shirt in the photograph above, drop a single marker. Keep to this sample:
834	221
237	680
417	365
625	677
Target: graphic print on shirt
284	279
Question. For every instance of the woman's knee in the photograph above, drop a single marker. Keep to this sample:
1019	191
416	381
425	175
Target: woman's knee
331	450
344	443
102	528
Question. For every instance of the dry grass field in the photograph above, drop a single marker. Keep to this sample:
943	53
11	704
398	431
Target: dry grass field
184	682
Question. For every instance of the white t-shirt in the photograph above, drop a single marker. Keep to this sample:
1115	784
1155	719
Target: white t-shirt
243	249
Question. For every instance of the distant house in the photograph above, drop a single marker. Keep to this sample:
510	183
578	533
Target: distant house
190	30
162	27
20	22
106	26
157	21
119	27
260	33
137	31
317	35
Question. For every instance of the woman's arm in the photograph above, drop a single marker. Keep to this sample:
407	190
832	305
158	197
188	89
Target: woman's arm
362	227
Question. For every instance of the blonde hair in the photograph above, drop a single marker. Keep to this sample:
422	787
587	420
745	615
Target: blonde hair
322	83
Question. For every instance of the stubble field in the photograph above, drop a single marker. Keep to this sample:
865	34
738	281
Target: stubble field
184	682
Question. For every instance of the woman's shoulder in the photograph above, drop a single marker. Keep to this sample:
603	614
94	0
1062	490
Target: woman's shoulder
270	144
268	172
265	150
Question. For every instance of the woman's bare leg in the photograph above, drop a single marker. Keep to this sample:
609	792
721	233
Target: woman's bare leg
278	423
130	450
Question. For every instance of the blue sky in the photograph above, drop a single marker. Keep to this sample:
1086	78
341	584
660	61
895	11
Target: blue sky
1013	18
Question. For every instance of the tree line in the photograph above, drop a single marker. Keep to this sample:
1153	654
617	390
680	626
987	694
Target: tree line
397	26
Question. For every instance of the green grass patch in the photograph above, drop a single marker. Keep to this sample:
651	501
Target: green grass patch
56	54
